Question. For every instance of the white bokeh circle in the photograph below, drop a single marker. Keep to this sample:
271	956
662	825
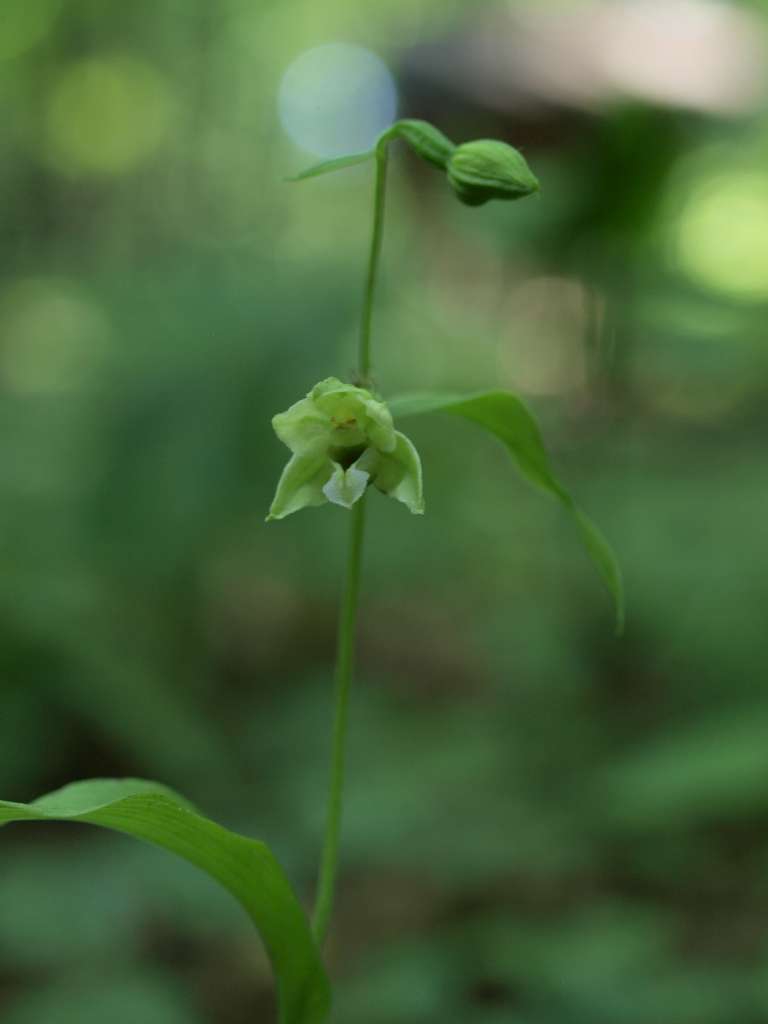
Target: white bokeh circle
336	99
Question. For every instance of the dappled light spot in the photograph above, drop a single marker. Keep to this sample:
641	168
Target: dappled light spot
541	351
24	23
721	240
673	395
53	336
336	99
107	115
697	54
705	55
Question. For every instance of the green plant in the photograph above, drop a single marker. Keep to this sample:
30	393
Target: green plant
343	440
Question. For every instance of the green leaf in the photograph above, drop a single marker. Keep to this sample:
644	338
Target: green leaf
246	867
336	164
505	415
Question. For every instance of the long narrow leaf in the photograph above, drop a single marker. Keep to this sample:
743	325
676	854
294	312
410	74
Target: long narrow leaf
244	866
505	416
336	164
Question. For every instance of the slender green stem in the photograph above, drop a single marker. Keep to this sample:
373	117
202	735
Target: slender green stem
345	655
373	259
345	646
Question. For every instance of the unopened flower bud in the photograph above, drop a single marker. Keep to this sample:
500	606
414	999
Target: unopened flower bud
488	169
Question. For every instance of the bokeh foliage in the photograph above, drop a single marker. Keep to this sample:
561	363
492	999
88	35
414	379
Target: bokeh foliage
546	825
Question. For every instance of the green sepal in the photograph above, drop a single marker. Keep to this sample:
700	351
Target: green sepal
301	482
246	867
506	416
397	473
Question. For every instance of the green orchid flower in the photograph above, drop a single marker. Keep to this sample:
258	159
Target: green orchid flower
343	439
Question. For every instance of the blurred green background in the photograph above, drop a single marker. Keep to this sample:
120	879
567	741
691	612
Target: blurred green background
545	824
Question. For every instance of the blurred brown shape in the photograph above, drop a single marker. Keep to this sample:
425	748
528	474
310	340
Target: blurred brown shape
697	55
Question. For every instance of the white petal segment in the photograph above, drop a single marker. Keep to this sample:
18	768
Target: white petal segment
346	486
301	483
398	474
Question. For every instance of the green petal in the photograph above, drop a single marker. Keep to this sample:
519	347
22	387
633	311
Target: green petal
345	403
326	387
398	474
302	426
301	483
346	486
378	424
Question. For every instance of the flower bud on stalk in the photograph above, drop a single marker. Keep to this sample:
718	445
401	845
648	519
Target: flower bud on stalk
488	169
